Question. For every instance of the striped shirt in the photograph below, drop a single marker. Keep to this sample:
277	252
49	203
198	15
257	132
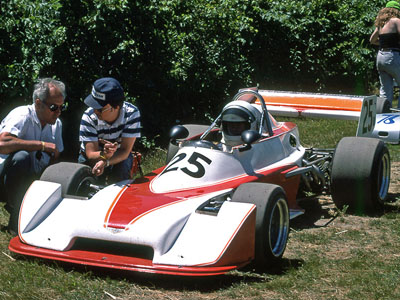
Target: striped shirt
126	125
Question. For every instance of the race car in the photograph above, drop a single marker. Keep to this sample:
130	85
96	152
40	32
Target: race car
224	199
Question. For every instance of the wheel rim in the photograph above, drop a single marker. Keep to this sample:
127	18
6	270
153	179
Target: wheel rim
83	187
279	227
384	177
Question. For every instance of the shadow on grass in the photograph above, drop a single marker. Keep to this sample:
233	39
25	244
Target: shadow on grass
320	213
209	283
393	204
317	214
205	284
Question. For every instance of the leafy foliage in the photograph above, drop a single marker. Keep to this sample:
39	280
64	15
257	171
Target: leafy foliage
30	33
320	44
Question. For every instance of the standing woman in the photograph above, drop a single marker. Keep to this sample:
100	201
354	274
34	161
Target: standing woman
387	36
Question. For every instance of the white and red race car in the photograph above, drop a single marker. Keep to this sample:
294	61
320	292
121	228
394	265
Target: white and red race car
215	207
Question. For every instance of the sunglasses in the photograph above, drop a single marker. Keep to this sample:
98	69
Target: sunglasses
55	107
103	110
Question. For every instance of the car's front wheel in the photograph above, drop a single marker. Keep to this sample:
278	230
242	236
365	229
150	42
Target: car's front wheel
74	178
272	220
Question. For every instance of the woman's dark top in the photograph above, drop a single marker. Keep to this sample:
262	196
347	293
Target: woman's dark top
389	40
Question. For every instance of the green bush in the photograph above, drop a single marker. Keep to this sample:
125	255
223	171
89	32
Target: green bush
30	32
318	45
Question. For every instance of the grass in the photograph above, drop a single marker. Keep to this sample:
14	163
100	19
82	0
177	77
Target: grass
348	257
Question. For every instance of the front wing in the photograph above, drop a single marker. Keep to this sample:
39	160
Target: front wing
115	261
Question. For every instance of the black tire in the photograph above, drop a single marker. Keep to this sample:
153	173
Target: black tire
73	177
193	131
360	175
272	220
382	105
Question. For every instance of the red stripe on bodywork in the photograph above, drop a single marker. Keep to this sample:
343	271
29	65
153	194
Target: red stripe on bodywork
113	205
151	210
134	202
138	200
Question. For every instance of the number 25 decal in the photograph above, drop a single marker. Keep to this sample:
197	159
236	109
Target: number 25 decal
194	160
369	120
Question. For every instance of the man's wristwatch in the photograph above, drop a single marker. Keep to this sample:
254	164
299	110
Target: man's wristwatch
102	157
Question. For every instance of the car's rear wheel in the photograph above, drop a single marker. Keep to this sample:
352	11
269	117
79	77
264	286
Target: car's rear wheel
74	178
360	175
193	131
272	220
382	105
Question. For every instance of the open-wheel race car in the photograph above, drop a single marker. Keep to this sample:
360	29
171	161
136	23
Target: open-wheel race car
223	200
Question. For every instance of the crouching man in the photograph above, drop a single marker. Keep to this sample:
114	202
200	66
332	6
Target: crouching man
30	140
108	131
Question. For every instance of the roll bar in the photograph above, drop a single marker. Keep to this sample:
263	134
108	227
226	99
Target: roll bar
264	116
265	120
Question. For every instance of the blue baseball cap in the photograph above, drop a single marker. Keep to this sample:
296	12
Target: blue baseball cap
105	90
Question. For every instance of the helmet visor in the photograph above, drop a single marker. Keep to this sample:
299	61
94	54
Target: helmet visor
234	128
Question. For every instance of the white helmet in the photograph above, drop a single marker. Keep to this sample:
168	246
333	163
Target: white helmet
238	116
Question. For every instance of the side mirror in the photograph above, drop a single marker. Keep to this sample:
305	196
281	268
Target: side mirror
249	137
178	132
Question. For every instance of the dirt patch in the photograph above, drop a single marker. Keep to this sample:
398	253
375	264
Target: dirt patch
322	216
322	207
394	189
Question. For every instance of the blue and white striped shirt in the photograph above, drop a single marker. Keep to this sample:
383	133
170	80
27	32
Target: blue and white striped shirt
127	125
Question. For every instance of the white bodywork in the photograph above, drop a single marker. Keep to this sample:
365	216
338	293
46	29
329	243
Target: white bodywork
175	232
264	155
387	127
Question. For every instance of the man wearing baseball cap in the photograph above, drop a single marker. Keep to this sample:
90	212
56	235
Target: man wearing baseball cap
108	130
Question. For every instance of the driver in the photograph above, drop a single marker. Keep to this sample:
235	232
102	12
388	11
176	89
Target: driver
238	116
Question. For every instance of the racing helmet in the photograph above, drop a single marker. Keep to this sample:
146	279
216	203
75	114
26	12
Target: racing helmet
238	116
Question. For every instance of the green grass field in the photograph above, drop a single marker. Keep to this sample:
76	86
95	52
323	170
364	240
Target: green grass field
330	255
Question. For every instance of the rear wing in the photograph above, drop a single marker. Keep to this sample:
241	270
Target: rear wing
297	104
318	105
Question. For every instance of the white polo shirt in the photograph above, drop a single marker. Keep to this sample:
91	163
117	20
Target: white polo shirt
24	123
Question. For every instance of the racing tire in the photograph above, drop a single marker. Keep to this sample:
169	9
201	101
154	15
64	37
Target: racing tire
382	105
73	177
193	131
272	220
360	175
